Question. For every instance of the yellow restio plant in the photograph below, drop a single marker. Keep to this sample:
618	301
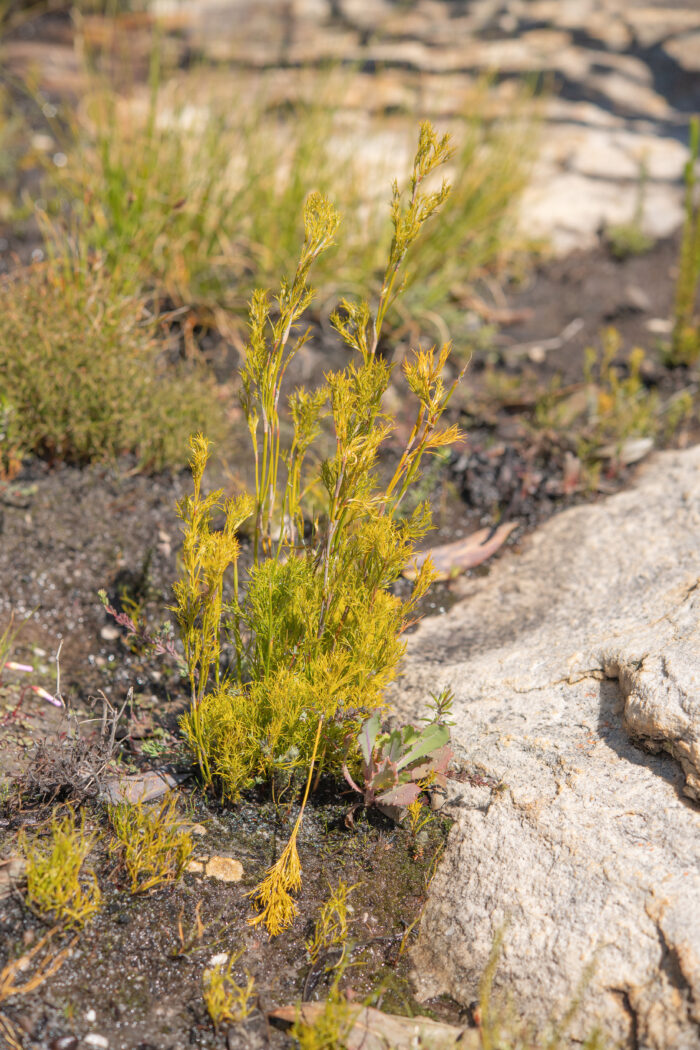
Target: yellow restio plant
54	884
224	999
314	628
273	897
331	927
153	845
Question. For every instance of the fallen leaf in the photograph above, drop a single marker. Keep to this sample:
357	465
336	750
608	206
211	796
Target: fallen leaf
140	788
630	451
374	1030
452	559
401	795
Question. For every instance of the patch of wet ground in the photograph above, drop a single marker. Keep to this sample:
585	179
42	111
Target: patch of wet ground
134	981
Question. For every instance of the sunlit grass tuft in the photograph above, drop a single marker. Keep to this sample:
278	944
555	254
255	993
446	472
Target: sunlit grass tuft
224	998
152	845
55	887
83	373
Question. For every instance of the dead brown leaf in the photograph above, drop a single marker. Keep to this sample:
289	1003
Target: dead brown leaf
452	559
374	1030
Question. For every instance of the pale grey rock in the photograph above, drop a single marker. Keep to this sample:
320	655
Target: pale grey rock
686	51
652	24
422	57
576	667
611	30
570	208
627	96
662	696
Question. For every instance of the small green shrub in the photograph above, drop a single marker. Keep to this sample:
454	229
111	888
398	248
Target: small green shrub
685	342
54	884
153	845
628	239
620	406
317	632
602	421
396	765
83	373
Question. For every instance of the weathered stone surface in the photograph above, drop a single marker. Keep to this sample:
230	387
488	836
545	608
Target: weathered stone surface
605	55
686	51
571	208
576	666
654	23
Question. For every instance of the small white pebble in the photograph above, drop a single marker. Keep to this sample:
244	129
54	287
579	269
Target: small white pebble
42	141
218	960
90	1016
100	1041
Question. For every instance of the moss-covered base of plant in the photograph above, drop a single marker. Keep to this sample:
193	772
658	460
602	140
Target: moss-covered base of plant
141	961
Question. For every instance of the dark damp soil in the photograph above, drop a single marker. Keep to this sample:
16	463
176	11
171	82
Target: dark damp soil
135	980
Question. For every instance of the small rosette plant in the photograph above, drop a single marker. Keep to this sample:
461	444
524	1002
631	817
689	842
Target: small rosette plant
398	766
